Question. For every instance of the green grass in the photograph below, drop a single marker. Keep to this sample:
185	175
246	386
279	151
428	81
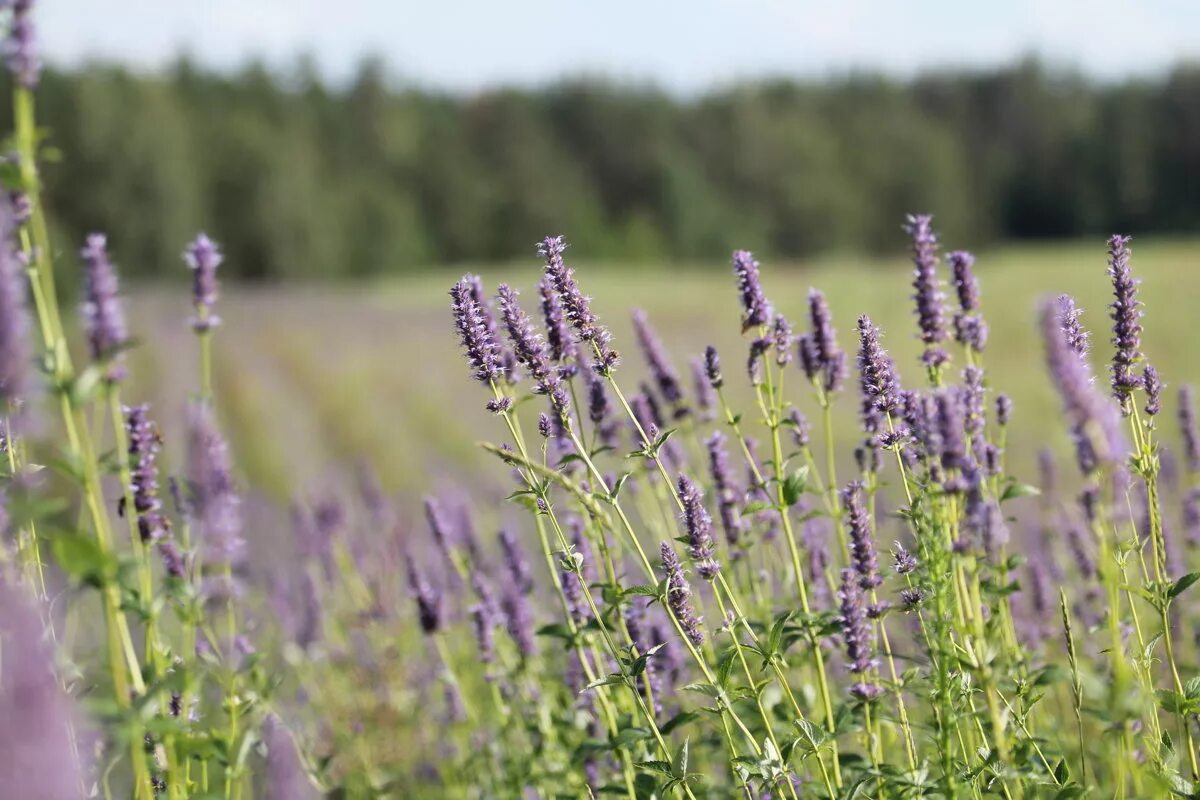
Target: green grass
375	371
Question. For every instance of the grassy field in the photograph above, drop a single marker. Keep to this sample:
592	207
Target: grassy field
373	372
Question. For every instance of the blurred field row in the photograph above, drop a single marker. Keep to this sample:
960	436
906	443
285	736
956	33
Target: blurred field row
314	379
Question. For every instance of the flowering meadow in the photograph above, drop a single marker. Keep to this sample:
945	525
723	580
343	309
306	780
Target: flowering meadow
693	593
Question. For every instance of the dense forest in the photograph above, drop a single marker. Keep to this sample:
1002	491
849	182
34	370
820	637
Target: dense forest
300	178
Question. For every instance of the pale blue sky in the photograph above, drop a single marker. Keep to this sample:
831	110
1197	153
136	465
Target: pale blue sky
685	45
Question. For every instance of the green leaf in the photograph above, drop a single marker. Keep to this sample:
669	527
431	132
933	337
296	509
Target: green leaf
794	485
82	559
679	764
661	767
703	688
1014	490
1181	585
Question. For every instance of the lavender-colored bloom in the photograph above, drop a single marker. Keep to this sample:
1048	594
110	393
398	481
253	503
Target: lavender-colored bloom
712	367
1153	385
103	315
143	473
808	357
829	359
20	51
429	602
972	397
531	352
481	348
679	596
577	306
285	777
800	428
814	539
878	380
1191	517
1004	408
661	370
577	604
1069	319
36	735
781	337
203	257
698	525
1085	408
1126	314
706	396
558	331
969	328
515	562
862	541
518	619
15	353
912	598
754	360
927	287
215	503
1187	428
857	634
756	309
726	490
904	562
483	623
951	427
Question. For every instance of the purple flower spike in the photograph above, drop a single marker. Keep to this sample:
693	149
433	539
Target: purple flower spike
706	396
712	367
203	257
1153	385
856	633
143	457
577	306
1187	428
518	619
429	603
15	354
829	359
531	351
904	562
661	371
480	346
36	734
515	562
756	310
880	386
679	596
698	525
285	776
800	428
782	338
1004	409
1126	314
215	504
1086	409
927	287
103	316
862	540
726	490
969	328
20	51
558	331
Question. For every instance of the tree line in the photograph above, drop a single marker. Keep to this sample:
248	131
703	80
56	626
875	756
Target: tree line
300	178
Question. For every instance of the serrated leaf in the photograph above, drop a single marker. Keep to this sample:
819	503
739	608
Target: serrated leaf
1014	490
1181	585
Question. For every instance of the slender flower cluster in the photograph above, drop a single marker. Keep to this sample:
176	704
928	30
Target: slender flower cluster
756	310
215	503
20	51
531	351
285	778
1126	314
519	621
970	330
782	338
103	316
429	602
679	596
800	428
698	525
558	331
857	635
1004	409
706	396
664	375
577	306
903	561
203	257
712	367
577	604
880	386
1086	409
15	354
1187	428
823	360
143	456
927	289
1153	386
515	562
481	348
862	540
726	490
